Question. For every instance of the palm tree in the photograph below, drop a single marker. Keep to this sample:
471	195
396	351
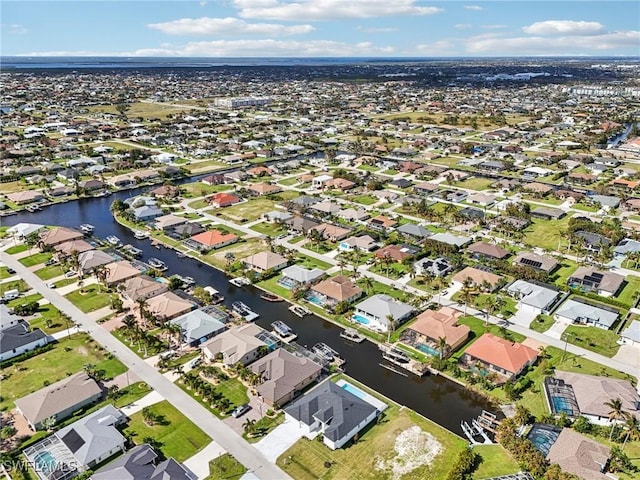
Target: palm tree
632	426
616	413
443	346
391	326
229	258
129	323
173	329
249	427
368	284
467	292
141	304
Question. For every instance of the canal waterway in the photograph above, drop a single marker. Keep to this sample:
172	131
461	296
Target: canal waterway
437	398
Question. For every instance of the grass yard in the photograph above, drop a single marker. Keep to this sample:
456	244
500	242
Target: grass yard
225	467
17	249
593	338
632	286
394	270
19	285
560	276
364	199
66	358
35	259
249	211
244	248
494	461
24	300
310	262
478	327
272	285
52	271
265	425
475	183
271	229
541	323
547	233
199	189
373	456
89	298
143	110
287	182
177	436
234	391
199	204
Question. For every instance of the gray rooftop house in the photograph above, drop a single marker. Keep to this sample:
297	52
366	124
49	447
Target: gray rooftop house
548	213
79	446
580	312
626	247
93	258
631	334
275	216
141	462
334	412
415	231
296	275
534	297
606	200
437	267
451	239
602	282
18	338
374	311
538	262
593	241
197	326
147	212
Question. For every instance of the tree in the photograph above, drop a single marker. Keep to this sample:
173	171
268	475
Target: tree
122	108
249	427
173	330
632	426
391	326
149	417
118	206
616	413
443	347
467	292
48	423
89	369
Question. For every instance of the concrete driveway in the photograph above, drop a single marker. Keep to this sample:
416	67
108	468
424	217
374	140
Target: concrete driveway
258	409
280	439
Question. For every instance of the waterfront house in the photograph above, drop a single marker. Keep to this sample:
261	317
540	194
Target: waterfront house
197	327
590	279
188	229
283	376
118	272
168	222
58	400
295	276
576	310
374	312
93	258
58	235
267	260
579	455
144	213
479	278
167	306
143	286
238	344
498	355
533	297
141	462
25	196
432	325
334	290
72	247
210	240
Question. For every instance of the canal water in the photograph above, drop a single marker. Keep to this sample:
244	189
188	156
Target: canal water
441	400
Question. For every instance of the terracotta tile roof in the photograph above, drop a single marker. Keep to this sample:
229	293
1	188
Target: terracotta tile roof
442	323
339	288
502	353
488	250
477	276
211	238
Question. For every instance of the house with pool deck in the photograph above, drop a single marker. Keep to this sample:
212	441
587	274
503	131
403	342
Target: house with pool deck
374	312
334	290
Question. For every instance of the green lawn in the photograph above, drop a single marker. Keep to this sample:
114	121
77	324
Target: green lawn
17	249
478	328
475	183
52	271
225	467
632	286
594	339
266	425
560	276
311	262
541	323
25	300
267	228
287	182
393	270
373	455
199	204
19	285
547	233
199	189
177	436
35	259
89	298
66	358
254	208
234	391
364	199
272	285
494	461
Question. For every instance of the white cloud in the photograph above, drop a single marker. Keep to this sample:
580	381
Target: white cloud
360	28
569	45
203	4
246	48
441	47
312	10
14	28
226	26
564	27
463	26
496	26
475	8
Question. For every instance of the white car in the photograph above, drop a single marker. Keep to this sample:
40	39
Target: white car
51	285
70	274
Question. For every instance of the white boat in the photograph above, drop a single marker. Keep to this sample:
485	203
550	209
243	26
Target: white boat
131	250
352	335
324	351
113	240
240	281
282	329
244	311
140	234
187	281
157	264
299	310
87	227
215	295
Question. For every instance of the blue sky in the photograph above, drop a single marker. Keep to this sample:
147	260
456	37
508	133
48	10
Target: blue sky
299	28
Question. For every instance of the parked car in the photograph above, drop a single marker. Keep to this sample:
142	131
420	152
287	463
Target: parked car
70	273
10	270
51	285
168	354
49	262
241	410
195	362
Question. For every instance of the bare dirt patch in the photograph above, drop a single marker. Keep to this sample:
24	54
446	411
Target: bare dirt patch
413	448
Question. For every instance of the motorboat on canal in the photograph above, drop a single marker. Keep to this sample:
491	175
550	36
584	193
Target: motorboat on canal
240	281
324	351
157	264
215	295
244	311
299	310
87	228
352	335
269	297
113	240
140	234
131	250
282	329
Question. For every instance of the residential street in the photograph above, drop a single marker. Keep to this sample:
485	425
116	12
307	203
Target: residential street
230	441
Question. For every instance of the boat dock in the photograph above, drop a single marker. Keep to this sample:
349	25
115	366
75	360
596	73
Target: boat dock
240	281
488	421
477	431
400	358
352	335
299	310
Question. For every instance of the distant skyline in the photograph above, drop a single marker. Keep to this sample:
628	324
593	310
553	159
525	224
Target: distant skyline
320	28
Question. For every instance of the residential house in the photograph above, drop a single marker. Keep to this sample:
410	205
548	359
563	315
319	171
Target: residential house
167	306
118	272
414	231
579	455
363	243
188	229
430	326
575	310
72	247
353	215
301	225
534	297
25	196
535	261
82	445
591	393
332	233
602	282
58	400
397	253
283	376
318	182
627	246
198	326
58	235
482	199
242	344
458	241
264	189
263	261
435	267
537	189
145	213
223	199
277	216
17	338
426	189
334	412
498	355
488	251
141	462
210	240
214	179
339	184
374	312
122	181
631	334
325	208
479	278
92	259
168	222
593	242
91	185
548	213
143	286
334	290
295	276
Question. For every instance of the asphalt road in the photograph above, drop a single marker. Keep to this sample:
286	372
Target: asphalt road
211	425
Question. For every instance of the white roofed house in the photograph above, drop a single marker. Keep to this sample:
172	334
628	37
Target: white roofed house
295	275
533	297
198	326
575	310
237	344
374	312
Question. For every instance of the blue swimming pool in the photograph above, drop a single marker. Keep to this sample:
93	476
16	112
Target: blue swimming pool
428	349
314	298
45	462
354	390
543	437
287	283
561	404
360	319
